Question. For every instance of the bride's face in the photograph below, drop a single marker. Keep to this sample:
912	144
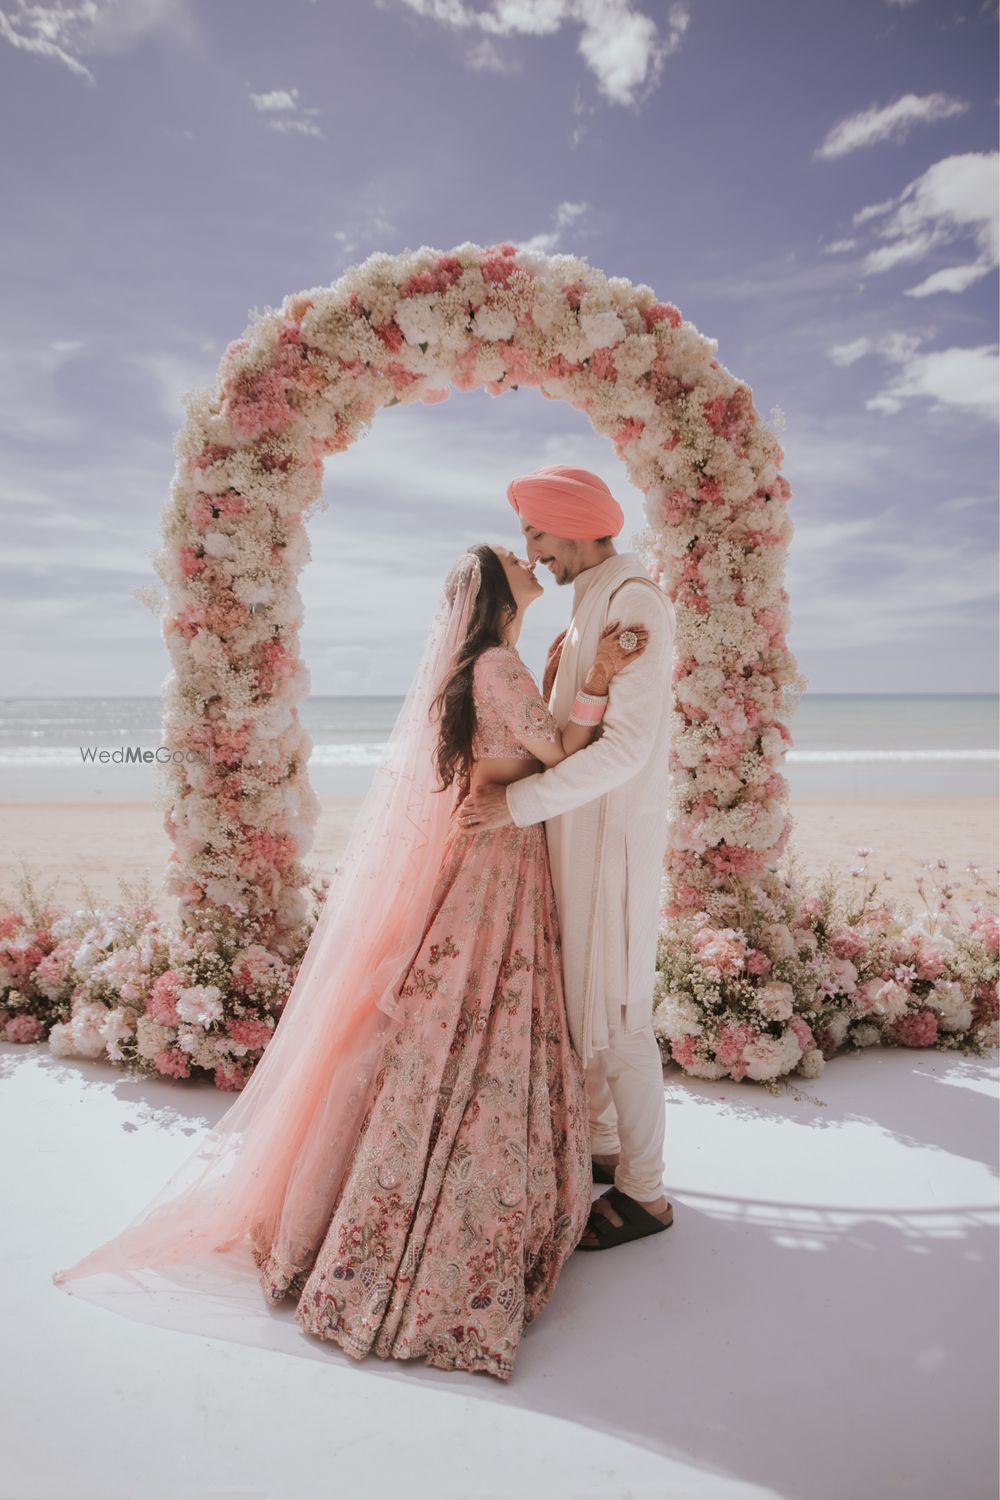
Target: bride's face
521	576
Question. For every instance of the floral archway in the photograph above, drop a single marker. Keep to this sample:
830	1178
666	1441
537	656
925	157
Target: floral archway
307	380
757	977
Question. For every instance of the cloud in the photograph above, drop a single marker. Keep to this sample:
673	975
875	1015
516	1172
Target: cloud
485	58
846	354
951	279
620	45
951	575
61	32
891	122
962	379
548	241
839	247
287	115
954	198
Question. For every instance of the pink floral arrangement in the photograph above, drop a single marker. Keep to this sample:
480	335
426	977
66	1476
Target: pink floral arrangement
764	983
122	985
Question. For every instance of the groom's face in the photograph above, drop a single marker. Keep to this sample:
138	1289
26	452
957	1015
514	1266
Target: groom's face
560	554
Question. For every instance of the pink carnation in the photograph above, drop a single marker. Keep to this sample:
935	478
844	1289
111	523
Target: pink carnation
719	951
684	1050
172	1063
249	1032
161	1002
230	1076
23	1028
733	1037
847	942
917	1028
803	1032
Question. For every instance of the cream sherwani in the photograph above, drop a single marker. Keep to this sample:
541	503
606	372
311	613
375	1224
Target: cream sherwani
606	822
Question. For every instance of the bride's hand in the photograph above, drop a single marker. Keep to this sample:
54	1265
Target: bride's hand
611	656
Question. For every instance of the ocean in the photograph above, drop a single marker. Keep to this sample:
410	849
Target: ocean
845	745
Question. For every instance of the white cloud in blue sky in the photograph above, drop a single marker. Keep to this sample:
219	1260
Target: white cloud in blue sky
814	186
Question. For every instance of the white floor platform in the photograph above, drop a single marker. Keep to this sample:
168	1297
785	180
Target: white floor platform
820	1322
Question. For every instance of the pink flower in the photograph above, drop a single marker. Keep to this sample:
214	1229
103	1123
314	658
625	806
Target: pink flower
733	1037
172	1063
249	1032
200	510
663	312
719	951
987	925
917	1028
23	1028
255	403
230	1076
684	1051
161	1002
190	563
847	942
803	1032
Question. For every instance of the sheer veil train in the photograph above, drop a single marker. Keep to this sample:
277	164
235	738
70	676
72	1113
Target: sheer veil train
263	1181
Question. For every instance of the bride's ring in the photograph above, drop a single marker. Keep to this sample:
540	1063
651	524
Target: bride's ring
628	640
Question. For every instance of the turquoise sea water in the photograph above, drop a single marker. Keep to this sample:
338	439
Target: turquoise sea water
844	745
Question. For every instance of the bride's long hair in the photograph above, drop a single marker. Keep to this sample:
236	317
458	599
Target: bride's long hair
244	1216
494	608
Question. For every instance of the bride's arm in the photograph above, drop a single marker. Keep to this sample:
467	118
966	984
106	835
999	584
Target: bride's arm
610	659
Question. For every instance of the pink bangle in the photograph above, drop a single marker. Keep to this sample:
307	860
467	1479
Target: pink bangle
588	708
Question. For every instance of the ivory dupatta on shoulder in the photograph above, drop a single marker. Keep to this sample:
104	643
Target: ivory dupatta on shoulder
605	808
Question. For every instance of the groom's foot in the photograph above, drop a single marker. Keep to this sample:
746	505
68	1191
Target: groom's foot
659	1207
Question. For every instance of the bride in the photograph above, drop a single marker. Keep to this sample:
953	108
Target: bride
410	1159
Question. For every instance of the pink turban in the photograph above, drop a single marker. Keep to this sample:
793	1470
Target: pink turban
567	502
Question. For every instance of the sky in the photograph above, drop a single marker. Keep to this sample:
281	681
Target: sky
814	185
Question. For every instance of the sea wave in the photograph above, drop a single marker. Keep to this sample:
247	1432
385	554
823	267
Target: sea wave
373	753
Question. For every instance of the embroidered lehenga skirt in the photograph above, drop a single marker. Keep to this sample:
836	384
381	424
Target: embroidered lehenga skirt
470	1179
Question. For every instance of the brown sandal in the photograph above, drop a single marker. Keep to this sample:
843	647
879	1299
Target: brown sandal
637	1222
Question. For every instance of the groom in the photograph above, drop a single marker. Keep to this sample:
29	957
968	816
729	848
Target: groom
606	823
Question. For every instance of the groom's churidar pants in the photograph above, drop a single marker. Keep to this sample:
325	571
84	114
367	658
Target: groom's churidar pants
628	1110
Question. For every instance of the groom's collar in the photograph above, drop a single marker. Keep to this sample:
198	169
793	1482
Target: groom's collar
604	572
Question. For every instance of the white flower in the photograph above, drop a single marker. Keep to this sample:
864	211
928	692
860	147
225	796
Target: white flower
86	1031
812	1063
675	1017
889	999
602	329
217	544
775	1000
777	940
953	1008
200	1004
150	1037
866	1035
771	1056
419	319
494	323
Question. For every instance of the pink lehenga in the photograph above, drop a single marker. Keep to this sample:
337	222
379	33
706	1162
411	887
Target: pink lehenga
470	1182
410	1159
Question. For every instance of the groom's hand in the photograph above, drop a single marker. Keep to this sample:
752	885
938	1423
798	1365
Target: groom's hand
552	664
486	808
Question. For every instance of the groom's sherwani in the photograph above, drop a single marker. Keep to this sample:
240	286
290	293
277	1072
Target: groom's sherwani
605	808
